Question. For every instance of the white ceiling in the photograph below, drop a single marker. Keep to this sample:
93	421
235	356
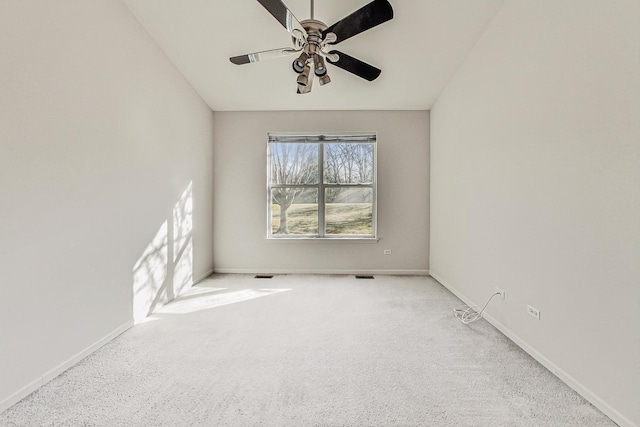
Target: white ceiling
418	51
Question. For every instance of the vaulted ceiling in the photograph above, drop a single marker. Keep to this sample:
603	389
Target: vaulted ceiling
418	51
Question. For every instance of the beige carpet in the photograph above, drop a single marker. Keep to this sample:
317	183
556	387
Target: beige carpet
308	351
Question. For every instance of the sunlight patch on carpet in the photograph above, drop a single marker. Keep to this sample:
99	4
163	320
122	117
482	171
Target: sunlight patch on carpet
207	301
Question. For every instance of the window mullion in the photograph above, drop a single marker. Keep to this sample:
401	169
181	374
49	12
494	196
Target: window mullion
321	198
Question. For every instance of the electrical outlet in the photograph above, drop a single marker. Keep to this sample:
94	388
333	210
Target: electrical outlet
501	292
533	311
387	251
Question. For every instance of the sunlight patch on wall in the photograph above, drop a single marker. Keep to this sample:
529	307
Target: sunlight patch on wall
182	242
150	273
183	269
182	221
165	268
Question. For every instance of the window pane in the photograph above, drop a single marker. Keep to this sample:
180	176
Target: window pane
294	211
294	163
348	163
349	211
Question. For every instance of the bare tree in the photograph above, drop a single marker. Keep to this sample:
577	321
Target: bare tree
291	164
347	163
364	163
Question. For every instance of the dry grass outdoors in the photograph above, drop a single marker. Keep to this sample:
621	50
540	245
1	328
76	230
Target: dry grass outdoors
301	218
341	219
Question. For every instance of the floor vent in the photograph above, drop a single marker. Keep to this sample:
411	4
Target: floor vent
363	276
263	276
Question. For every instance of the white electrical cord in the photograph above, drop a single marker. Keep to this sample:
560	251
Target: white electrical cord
467	314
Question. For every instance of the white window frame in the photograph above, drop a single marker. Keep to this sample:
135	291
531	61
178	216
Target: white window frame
320	140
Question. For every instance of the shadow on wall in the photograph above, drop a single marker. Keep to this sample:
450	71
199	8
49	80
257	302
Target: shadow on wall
166	266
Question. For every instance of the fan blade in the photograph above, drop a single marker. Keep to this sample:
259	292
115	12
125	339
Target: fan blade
375	13
261	56
279	11
355	66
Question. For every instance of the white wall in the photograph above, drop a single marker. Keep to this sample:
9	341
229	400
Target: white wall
240	217
535	187
100	137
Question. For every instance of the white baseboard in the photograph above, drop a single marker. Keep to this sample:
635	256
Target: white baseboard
203	276
585	392
48	376
20	394
346	272
51	374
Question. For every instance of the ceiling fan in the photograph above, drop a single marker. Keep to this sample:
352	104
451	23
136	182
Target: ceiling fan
313	41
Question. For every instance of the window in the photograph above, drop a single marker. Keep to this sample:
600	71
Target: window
322	186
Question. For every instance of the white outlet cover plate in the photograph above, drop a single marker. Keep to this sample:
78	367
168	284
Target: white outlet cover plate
533	312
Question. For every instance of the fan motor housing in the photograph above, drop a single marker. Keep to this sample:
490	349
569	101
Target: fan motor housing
314	30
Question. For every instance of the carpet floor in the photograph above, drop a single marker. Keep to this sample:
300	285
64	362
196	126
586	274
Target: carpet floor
308	351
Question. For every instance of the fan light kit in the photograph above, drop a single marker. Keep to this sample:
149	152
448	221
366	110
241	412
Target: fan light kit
313	42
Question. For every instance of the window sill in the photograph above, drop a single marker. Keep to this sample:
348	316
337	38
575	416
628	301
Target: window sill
324	239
